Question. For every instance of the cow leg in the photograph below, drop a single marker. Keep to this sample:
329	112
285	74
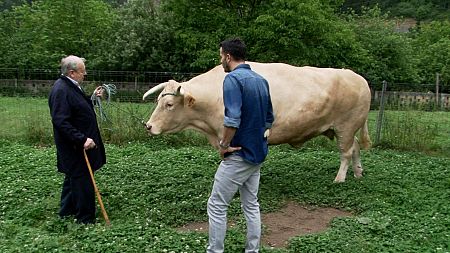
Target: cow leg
345	143
356	159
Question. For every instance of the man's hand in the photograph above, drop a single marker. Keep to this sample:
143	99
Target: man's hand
228	149
267	133
99	91
89	144
224	143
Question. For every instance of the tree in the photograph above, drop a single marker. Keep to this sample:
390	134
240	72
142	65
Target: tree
8	4
138	41
198	26
7	30
293	31
432	43
417	9
302	33
48	30
389	55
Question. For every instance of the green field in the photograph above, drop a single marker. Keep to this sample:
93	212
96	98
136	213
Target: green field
150	186
401	204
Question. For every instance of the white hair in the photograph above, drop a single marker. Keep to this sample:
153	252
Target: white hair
70	63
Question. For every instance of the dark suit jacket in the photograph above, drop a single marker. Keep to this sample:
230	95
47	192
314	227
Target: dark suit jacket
74	120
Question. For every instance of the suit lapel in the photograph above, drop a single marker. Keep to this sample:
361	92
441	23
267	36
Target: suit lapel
73	86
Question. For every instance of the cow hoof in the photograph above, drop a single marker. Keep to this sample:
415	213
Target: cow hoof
359	175
358	172
339	180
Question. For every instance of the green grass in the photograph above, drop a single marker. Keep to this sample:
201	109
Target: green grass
28	120
153	184
149	188
417	130
18	115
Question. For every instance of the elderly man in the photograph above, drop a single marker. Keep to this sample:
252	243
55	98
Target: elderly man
75	129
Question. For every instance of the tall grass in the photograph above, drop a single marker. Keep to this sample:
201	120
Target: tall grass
126	124
416	130
25	119
28	120
37	131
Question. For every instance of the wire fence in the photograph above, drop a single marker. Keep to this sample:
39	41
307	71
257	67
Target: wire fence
131	85
411	118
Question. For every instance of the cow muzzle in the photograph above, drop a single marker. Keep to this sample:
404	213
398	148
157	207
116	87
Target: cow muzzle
152	130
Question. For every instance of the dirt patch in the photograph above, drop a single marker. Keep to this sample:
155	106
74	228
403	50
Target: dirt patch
292	220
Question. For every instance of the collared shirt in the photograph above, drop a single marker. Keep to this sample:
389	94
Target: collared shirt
75	82
248	107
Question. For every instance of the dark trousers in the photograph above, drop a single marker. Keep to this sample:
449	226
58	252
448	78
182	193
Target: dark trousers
78	199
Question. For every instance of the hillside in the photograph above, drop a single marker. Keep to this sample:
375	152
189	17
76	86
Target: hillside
419	10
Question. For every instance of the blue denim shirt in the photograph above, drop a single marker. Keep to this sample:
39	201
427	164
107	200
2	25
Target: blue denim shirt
248	107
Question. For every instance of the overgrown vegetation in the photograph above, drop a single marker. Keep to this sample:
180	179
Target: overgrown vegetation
415	130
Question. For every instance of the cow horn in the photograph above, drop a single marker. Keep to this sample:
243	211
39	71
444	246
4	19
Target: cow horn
180	91
155	89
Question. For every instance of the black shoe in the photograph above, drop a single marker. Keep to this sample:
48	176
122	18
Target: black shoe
66	215
86	221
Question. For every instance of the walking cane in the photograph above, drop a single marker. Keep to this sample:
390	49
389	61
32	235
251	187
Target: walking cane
105	215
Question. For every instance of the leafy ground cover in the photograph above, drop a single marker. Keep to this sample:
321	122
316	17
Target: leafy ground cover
401	204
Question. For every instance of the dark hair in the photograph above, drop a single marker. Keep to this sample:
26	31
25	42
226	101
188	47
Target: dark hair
235	47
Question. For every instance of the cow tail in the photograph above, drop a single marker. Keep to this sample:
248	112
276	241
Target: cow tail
364	136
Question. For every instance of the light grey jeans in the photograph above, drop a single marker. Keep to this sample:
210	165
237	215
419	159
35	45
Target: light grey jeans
232	175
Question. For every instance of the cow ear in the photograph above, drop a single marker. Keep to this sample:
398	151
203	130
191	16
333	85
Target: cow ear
189	100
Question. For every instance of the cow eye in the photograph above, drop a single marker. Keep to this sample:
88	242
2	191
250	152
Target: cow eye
169	105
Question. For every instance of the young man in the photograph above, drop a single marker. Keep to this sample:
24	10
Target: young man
75	129
248	114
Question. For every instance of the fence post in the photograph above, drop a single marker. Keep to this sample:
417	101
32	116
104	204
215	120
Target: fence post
16	79
437	90
380	114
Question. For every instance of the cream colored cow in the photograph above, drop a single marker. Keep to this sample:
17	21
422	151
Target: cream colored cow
307	102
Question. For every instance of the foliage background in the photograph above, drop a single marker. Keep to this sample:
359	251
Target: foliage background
183	36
